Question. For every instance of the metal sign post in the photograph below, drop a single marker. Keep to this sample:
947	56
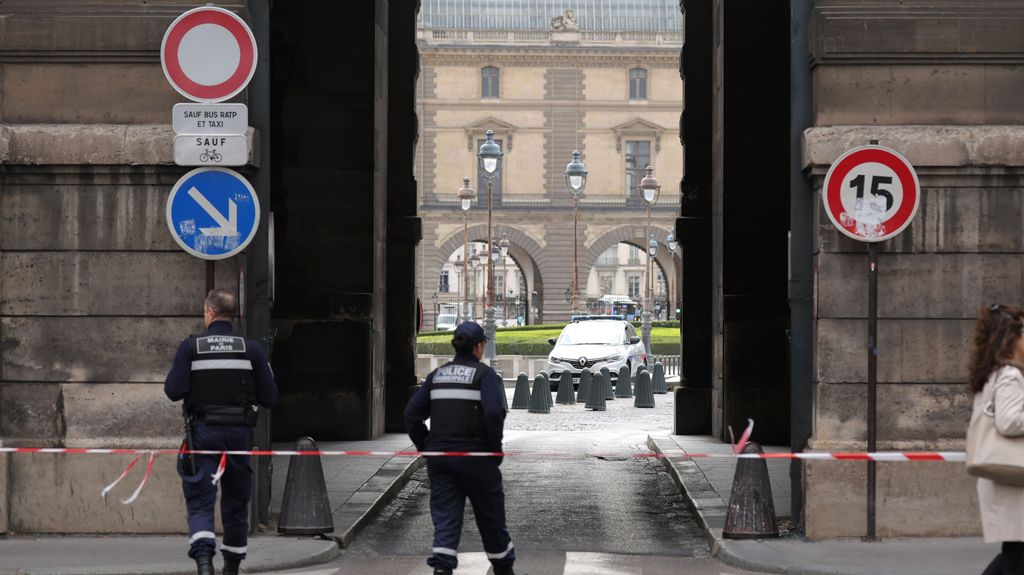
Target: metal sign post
871	194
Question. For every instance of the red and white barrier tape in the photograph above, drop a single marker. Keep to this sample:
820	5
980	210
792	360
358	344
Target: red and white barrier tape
888	456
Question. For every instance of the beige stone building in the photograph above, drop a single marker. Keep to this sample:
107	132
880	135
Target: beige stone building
607	86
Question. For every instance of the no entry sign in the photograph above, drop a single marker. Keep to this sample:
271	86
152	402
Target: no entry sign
871	193
208	54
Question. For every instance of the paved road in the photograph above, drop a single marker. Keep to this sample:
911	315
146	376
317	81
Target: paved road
568	514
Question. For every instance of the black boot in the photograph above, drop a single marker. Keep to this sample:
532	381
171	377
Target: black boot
503	569
204	565
231	566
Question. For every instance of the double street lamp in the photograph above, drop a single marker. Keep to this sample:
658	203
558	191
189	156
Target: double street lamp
576	180
650	187
466	194
489	158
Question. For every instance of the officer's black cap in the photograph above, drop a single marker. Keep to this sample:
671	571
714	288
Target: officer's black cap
471	331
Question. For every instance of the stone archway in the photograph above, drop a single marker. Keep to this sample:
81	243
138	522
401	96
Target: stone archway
635	235
525	251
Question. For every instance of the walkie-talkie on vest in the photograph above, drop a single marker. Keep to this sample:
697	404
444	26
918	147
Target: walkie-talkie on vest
188	458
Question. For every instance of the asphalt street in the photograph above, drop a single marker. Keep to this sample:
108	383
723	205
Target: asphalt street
568	512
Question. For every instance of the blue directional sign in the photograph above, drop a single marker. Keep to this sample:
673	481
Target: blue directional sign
213	213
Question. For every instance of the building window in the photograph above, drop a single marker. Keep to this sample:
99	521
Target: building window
633	285
638	157
489	82
442	284
607	283
499	287
634	255
638	84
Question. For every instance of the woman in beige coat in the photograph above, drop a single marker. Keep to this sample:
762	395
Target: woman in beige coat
995	379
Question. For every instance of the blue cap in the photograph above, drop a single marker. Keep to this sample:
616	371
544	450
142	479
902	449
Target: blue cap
472	331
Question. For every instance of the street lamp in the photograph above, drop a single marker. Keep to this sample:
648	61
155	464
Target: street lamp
673	247
576	180
489	158
466	194
650	187
503	246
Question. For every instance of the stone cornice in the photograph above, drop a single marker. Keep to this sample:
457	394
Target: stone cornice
93	144
923	146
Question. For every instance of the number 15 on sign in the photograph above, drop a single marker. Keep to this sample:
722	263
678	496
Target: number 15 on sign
871	193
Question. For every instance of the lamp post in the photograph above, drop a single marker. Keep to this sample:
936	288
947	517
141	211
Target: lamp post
482	260
576	180
503	247
673	247
489	158
466	194
650	187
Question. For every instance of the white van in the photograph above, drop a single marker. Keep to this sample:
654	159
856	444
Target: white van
446	321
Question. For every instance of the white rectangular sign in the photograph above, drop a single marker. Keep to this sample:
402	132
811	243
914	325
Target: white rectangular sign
210	118
211	150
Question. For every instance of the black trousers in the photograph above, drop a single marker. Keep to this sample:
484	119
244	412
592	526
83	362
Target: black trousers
1009	562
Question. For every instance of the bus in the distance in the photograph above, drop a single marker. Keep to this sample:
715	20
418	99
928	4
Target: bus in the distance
615	305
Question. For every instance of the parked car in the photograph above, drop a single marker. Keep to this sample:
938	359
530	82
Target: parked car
447	321
594	343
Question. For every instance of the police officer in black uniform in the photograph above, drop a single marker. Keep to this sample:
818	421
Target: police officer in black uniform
463	400
222	377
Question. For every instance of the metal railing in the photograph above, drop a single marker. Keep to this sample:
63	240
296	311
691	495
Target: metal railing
671	363
443	36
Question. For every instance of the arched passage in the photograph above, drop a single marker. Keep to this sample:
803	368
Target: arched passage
524	253
666	264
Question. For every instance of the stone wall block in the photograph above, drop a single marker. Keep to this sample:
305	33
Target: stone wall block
149	145
102	217
31	414
907	284
912	351
121	415
912	416
91	349
52	493
79	283
55	144
921	499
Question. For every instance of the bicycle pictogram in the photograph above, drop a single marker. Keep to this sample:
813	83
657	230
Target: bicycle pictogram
210	156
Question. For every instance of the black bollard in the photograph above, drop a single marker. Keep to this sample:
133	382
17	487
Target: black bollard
658	383
566	393
644	393
751	513
540	399
584	391
623	387
595	400
521	398
305	509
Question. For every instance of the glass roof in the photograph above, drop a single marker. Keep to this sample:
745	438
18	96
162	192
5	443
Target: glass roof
591	15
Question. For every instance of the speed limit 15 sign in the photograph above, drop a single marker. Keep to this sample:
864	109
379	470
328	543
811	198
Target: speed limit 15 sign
871	193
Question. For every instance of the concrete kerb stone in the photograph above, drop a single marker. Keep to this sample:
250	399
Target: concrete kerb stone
393	476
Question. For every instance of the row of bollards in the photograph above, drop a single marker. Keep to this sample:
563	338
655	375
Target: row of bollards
595	389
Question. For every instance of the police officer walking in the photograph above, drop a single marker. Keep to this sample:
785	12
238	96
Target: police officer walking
223	378
463	400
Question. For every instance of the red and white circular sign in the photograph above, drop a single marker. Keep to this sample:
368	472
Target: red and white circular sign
208	54
871	193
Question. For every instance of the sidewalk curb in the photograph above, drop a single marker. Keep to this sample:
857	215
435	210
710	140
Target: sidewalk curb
374	495
710	510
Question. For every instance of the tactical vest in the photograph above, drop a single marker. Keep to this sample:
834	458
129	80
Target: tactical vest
455	408
221	372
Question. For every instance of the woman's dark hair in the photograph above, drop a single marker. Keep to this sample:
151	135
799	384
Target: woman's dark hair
462	344
995	335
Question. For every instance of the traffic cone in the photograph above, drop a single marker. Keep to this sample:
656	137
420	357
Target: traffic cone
540	399
521	398
624	387
751	513
565	389
305	508
644	393
584	390
596	398
658	384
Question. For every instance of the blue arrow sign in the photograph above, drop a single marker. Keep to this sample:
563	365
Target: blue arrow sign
213	213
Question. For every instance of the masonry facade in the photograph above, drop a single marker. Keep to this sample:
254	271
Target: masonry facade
612	92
